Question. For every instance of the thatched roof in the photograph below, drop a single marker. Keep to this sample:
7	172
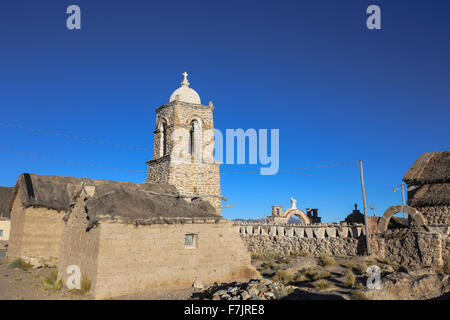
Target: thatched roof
436	194
431	167
125	201
6	195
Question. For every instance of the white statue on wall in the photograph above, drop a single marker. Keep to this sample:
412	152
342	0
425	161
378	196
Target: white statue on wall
293	203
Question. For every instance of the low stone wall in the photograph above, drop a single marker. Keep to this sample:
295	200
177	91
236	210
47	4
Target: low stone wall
318	231
410	247
333	239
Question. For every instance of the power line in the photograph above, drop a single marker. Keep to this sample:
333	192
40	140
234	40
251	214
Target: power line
78	164
293	169
10	125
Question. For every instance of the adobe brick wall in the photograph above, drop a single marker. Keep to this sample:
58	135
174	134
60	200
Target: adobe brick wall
133	259
79	247
35	233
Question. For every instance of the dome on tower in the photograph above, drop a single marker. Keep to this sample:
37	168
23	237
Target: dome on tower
184	93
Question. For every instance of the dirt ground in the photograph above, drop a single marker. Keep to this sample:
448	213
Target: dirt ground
17	284
26	284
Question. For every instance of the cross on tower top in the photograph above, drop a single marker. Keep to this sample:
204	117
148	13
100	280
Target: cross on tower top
185	81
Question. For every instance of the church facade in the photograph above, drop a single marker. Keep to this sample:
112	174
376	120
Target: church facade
184	145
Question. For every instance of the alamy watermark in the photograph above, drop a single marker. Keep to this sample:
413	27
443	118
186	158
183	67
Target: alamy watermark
207	146
74	278
374	280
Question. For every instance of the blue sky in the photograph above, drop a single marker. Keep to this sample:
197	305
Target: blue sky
337	91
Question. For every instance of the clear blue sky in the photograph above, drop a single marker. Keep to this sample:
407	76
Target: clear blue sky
336	90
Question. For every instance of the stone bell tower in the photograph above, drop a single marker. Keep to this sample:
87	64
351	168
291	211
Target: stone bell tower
183	147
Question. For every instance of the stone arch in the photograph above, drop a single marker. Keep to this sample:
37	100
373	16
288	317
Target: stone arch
297	212
193	117
162	136
418	218
195	137
161	118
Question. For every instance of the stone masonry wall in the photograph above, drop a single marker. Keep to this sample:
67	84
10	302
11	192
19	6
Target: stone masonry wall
188	175
197	178
133	259
35	233
158	171
332	239
410	247
436	215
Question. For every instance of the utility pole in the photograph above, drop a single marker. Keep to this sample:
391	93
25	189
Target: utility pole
372	207
366	220
403	197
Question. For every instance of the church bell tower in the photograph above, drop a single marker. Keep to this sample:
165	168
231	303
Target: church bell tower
183	147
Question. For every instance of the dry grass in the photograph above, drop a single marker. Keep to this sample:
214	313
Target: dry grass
326	260
266	256
85	284
283	277
322	284
349	278
360	268
51	282
300	254
385	261
19	264
310	274
349	265
359	295
267	265
285	260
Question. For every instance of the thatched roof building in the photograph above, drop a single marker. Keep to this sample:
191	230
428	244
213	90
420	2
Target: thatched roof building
428	183
125	237
125	201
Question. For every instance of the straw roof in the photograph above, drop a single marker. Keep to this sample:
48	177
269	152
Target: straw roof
125	201
6	195
429	168
437	194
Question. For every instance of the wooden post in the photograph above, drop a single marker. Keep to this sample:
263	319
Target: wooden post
403	198
366	220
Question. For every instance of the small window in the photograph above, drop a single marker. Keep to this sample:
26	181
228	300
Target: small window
1	233
190	240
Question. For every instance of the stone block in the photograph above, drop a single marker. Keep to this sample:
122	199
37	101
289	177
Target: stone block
319	233
299	232
280	231
309	232
331	232
342	232
272	231
289	232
